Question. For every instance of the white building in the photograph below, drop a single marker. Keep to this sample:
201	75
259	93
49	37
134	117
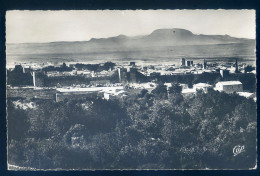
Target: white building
199	86
229	86
246	94
148	86
202	86
109	95
188	91
79	93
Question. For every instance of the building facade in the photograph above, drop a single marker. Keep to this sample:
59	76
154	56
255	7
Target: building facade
229	86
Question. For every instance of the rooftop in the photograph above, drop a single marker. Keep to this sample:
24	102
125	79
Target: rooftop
202	85
229	82
245	94
186	91
90	89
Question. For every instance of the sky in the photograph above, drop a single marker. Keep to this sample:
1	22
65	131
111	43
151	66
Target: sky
50	26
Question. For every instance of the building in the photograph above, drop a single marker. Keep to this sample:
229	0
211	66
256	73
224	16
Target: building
236	65
26	69
188	91
154	74
139	86
205	64
168	85
187	63
132	64
72	93
229	86
100	82
127	74
151	67
182	62
119	74
246	94
132	76
202	86
38	79
114	95
144	68
224	73
122	75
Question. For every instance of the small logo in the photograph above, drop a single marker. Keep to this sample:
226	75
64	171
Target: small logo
238	149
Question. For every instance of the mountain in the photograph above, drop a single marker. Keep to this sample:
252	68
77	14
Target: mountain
161	38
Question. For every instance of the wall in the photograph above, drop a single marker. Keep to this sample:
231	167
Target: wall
30	93
233	88
75	95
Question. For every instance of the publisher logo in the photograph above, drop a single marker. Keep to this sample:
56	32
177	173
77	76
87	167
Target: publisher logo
238	149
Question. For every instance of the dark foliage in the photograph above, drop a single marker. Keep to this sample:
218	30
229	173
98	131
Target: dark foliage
141	131
62	68
249	68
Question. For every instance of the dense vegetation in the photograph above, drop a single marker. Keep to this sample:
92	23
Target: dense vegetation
62	68
157	130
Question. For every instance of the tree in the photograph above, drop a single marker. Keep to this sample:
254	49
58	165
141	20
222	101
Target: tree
175	89
160	91
17	122
138	131
109	65
143	92
248	68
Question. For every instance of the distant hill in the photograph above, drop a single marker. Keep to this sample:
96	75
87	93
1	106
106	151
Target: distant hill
161	38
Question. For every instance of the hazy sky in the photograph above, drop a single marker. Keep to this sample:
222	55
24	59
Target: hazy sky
48	26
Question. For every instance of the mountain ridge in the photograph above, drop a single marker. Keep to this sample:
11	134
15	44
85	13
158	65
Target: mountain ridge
158	38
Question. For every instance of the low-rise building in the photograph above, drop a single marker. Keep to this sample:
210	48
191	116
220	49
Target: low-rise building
81	93
112	95
188	91
224	73
202	86
148	86
229	86
199	86
246	94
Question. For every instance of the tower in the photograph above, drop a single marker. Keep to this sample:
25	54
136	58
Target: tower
182	62
205	64
132	76
224	73
38	79
236	71
132	64
119	74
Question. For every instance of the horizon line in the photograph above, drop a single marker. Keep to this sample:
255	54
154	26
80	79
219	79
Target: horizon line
60	41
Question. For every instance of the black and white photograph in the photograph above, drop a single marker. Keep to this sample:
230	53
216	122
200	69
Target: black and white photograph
131	90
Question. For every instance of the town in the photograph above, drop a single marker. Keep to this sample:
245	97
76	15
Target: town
61	81
164	89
